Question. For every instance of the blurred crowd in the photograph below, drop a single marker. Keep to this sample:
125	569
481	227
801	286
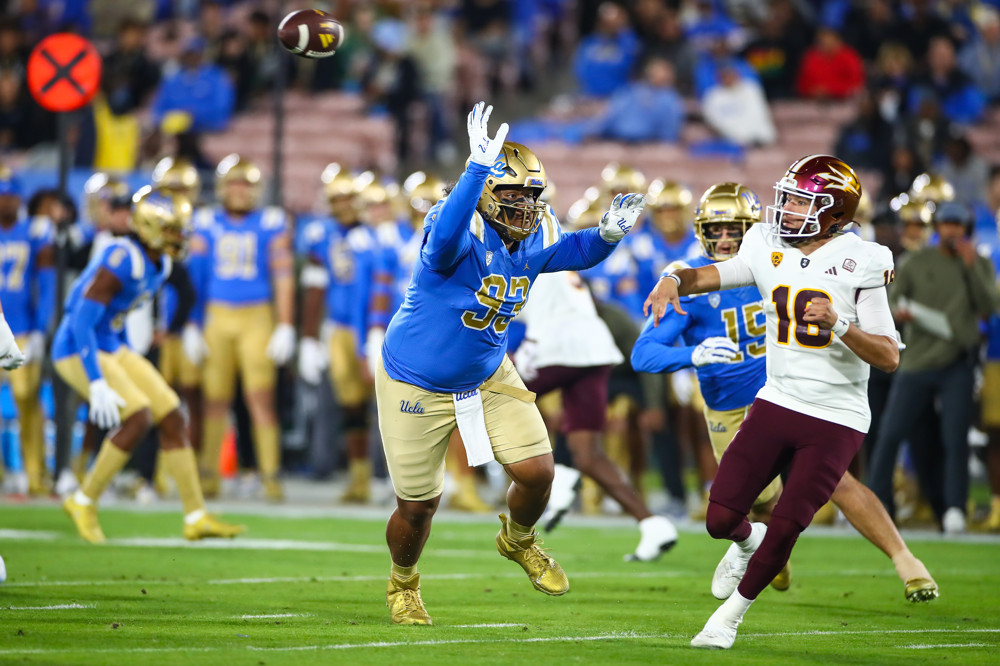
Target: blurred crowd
923	76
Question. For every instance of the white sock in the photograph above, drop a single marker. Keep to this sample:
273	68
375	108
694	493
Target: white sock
82	499
194	516
731	612
750	544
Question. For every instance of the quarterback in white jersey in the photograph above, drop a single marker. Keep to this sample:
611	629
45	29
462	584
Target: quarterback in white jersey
828	319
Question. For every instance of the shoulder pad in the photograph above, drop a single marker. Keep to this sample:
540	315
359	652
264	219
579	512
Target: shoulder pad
203	217
880	271
478	226
122	250
551	231
387	234
360	238
272	217
314	232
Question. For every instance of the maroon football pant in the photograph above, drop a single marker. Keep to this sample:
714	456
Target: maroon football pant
816	453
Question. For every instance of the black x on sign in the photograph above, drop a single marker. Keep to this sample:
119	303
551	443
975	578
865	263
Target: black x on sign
64	72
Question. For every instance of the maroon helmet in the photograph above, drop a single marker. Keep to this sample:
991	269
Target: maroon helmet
829	185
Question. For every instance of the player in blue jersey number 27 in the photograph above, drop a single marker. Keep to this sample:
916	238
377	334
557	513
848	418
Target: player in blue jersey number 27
444	365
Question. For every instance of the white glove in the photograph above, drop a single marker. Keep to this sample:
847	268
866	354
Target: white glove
313	360
621	217
10	354
194	344
484	150
281	346
373	348
105	405
526	360
34	350
719	349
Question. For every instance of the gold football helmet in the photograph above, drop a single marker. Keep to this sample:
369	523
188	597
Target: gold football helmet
239	171
341	193
916	217
620	179
585	213
516	168
421	191
161	218
931	188
101	193
179	175
670	205
375	198
728	207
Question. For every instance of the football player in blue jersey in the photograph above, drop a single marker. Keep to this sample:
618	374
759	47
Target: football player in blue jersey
339	278
27	290
723	339
242	269
444	362
126	394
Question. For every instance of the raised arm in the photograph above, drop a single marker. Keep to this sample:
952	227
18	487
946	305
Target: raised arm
686	281
584	249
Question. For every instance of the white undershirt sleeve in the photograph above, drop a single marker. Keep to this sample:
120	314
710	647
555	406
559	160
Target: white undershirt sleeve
874	315
734	273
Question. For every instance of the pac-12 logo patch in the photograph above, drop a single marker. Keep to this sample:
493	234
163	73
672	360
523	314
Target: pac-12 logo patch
714	299
776	258
489	257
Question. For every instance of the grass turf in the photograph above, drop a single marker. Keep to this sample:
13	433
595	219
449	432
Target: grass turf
149	596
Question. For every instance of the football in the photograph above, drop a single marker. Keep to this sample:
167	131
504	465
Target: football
311	33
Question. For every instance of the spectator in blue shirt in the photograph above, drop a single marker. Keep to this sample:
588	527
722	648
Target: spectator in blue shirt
604	60
961	101
649	109
202	91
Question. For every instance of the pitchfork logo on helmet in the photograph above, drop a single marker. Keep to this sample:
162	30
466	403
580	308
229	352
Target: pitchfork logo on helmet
830	188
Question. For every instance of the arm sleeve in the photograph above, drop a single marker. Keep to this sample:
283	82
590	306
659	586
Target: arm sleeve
577	251
874	315
654	351
46	304
181	282
734	273
448	239
83	323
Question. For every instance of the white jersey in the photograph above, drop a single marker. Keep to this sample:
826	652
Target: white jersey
810	370
560	316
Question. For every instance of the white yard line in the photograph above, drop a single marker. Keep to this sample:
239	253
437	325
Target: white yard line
56	607
489	626
272	616
611	636
943	645
29	535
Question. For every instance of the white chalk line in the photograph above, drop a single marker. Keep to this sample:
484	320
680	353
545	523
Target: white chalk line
270	616
943	645
610	636
55	607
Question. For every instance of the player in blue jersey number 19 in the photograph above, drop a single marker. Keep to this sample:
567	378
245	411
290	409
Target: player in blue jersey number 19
443	363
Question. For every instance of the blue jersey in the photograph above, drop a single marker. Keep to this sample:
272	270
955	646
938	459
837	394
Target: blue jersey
140	279
350	256
234	255
653	252
992	324
734	313
450	334
617	281
26	291
400	249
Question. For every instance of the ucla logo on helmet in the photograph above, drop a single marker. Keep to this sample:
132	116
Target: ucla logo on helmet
499	167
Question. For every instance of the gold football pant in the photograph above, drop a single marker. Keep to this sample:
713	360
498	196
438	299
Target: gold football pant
24	384
237	340
722	427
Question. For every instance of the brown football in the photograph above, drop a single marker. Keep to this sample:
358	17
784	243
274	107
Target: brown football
311	33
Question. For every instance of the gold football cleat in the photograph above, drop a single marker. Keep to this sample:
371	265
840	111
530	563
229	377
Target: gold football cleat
544	572
208	526
273	490
85	518
783	580
921	589
402	596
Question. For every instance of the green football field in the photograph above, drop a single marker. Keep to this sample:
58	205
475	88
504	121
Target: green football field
311	590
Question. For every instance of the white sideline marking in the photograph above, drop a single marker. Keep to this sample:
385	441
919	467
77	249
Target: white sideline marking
272	615
483	641
273	544
56	607
948	645
29	535
488	625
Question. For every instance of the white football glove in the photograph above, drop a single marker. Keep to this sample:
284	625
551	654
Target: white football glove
373	348
281	346
484	150
193	344
34	350
313	360
622	216
719	349
105	404
10	354
526	360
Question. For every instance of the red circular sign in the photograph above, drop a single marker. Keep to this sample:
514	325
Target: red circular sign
64	72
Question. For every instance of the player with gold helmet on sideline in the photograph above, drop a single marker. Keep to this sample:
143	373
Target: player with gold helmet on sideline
126	393
339	278
27	290
242	269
